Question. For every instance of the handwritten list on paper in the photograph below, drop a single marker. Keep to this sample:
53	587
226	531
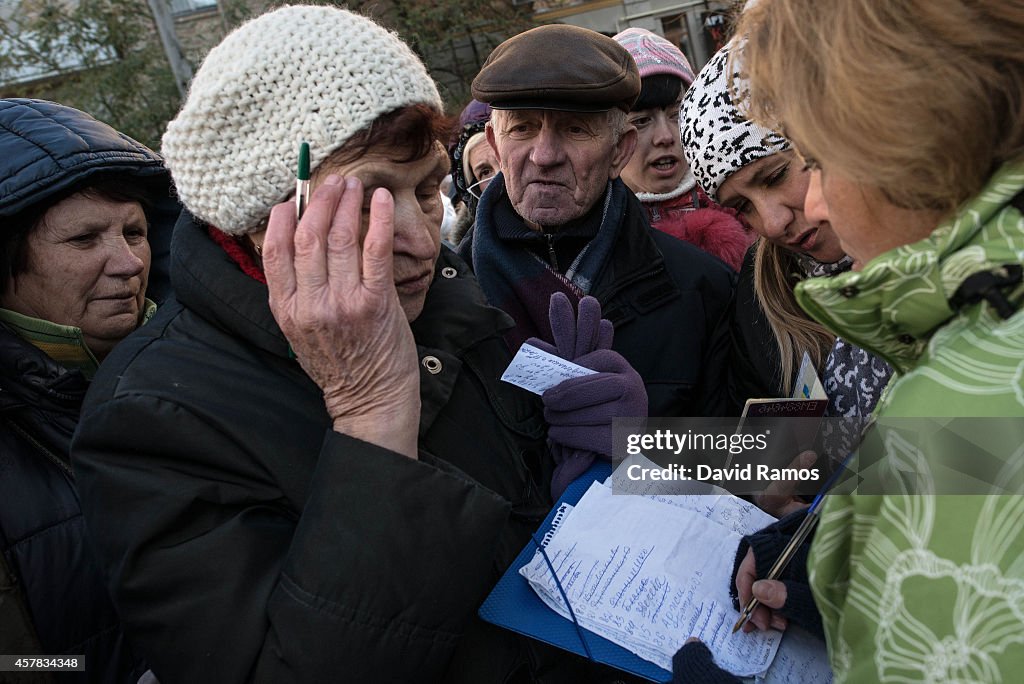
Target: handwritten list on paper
802	657
707	500
536	370
647	574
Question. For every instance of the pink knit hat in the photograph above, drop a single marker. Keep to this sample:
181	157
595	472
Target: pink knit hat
654	54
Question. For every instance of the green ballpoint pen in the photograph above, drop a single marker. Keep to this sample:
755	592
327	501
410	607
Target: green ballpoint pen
302	181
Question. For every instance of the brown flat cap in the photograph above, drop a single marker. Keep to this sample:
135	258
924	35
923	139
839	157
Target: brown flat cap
559	67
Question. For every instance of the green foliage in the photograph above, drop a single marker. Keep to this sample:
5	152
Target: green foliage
235	12
453	37
101	56
105	57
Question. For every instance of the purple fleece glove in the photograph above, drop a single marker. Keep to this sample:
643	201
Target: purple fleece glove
575	336
579	411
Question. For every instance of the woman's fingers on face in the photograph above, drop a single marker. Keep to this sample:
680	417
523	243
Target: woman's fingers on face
279	253
325	258
378	248
311	235
342	259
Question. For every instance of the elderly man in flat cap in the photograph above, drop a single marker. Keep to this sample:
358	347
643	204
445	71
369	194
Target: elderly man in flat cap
558	219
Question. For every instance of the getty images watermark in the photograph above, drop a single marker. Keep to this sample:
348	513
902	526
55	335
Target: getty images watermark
749	456
708	444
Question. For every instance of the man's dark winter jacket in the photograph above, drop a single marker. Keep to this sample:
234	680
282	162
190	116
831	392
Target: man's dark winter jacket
47	151
246	540
668	302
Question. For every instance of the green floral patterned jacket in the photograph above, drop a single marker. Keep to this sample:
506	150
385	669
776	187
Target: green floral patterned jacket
931	588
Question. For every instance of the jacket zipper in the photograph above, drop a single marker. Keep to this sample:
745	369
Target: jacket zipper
552	257
42	449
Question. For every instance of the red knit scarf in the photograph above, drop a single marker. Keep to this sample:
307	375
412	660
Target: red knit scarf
235	249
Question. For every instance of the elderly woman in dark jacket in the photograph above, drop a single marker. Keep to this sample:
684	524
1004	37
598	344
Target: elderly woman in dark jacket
305	469
77	201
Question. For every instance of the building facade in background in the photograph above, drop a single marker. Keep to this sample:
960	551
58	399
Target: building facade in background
698	27
112	58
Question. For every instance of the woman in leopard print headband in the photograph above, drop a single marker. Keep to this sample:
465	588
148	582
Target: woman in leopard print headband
754	170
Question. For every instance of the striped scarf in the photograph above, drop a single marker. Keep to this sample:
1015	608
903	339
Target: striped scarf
521	283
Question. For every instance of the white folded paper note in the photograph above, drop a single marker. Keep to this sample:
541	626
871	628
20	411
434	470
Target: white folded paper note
536	370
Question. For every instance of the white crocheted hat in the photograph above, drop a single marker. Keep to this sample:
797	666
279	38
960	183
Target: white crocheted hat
717	140
318	74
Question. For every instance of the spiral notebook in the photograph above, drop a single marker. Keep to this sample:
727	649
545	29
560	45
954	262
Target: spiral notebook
512	604
515	605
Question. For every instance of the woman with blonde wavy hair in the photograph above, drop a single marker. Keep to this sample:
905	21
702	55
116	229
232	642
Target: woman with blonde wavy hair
912	121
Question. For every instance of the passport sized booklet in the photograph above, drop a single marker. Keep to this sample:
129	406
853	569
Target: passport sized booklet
808	401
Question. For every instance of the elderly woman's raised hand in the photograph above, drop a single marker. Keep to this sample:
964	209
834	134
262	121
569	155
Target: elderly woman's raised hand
336	303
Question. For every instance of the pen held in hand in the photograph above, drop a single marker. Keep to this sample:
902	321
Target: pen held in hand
302	181
780	564
802	532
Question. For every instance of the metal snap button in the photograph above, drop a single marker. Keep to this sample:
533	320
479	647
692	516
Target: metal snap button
850	291
448	272
432	364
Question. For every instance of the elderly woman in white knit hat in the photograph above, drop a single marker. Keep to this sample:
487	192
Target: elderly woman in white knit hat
305	469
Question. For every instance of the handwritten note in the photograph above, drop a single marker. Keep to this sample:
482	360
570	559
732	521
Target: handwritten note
802	657
536	370
707	500
647	574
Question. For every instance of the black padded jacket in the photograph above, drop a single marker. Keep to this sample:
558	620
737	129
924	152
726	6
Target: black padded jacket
52	597
246	540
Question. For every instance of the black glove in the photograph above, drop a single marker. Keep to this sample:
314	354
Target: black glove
694	664
767	545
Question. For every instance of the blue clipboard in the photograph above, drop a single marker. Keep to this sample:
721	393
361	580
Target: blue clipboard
512	604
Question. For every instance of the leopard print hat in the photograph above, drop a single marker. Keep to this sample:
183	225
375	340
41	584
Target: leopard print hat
717	139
